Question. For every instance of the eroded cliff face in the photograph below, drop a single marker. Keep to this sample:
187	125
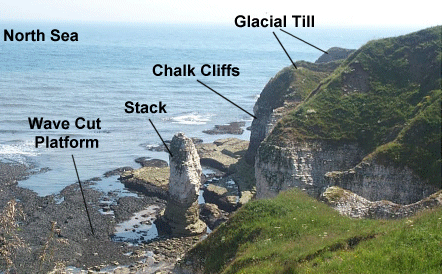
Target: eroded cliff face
272	97
350	204
375	182
302	165
285	91
379	108
316	165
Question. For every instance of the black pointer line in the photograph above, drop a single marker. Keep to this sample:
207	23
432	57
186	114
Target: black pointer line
82	194
161	138
303	41
227	99
285	50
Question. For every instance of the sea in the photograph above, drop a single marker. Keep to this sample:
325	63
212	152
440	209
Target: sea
112	63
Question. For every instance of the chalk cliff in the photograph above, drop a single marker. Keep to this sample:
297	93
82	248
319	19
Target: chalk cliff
371	125
283	93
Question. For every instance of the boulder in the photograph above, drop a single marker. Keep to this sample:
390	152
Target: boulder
223	193
117	171
212	215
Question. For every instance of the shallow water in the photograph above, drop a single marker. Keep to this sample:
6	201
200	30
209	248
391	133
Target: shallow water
139	228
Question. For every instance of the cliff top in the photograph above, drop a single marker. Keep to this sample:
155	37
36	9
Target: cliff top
385	97
334	54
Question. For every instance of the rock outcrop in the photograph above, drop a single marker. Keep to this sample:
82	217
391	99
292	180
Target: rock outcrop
334	54
373	125
224	193
151	181
303	165
283	93
231	128
355	206
315	165
271	98
182	210
375	181
212	215
222	153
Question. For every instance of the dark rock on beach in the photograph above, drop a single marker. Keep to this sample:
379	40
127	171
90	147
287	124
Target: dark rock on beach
232	128
10	173
117	171
224	193
57	226
212	215
63	227
147	162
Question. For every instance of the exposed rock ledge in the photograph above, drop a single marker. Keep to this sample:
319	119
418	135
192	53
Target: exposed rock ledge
355	206
303	165
151	181
315	165
375	181
222	153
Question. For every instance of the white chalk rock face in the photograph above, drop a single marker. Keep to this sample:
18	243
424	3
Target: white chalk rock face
185	170
182	210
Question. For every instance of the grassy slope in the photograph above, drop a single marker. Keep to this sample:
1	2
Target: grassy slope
403	74
398	120
294	233
418	145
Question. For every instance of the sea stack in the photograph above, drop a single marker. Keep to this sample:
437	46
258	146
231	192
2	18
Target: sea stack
182	210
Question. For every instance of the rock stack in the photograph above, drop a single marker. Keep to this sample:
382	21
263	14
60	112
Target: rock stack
182	210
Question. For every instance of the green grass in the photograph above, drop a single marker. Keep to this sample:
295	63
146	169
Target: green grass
418	144
295	233
402	82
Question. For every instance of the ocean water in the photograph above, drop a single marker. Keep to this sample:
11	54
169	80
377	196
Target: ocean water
112	64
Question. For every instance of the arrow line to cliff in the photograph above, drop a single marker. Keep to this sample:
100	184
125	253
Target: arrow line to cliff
82	194
285	50
304	41
227	99
164	143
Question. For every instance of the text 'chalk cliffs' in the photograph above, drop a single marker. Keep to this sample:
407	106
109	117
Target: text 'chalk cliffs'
182	211
371	126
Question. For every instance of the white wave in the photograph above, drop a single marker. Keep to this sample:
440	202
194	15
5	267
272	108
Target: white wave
18	152
192	119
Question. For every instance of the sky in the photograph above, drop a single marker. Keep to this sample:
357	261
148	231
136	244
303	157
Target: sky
342	13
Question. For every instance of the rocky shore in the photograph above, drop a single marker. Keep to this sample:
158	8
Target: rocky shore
55	228
56	231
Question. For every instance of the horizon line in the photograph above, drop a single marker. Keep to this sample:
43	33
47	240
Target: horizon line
207	23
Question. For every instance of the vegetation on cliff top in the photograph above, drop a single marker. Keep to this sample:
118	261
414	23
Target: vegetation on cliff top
387	92
295	233
386	97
